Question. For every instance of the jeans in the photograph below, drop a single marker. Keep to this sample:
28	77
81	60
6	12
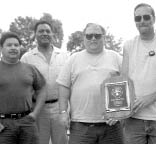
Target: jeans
81	133
50	127
139	131
19	131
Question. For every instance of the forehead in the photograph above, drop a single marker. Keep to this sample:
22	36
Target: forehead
11	40
94	29
143	10
43	26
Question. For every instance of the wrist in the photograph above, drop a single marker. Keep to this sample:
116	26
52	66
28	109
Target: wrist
63	111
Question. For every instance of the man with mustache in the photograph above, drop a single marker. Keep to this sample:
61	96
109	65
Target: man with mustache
49	60
19	83
139	63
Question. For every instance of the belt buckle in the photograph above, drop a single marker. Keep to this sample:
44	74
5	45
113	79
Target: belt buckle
2	116
13	116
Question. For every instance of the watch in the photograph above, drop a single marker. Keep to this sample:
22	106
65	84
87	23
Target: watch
62	112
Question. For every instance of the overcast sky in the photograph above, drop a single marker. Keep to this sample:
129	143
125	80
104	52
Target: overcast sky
75	14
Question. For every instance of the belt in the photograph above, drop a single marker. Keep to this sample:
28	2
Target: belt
14	115
48	101
93	124
51	101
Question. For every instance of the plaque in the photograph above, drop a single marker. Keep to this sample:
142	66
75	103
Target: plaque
118	93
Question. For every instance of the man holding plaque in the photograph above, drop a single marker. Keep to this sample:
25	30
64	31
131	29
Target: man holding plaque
139	63
80	82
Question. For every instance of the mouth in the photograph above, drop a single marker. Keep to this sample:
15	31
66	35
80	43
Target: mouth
13	53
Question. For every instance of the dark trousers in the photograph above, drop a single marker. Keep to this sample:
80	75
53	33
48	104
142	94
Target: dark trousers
19	131
81	133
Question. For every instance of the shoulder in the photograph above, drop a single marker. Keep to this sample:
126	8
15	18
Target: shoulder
111	52
27	65
30	53
60	53
131	42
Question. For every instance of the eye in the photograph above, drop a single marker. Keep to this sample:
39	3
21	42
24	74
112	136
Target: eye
9	45
48	31
16	45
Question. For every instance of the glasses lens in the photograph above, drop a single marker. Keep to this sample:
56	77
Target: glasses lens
89	36
96	36
146	17
137	18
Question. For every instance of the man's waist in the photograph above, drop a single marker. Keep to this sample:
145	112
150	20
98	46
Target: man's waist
88	124
14	115
49	101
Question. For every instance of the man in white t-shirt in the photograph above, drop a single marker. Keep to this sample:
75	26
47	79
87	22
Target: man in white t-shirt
80	81
139	63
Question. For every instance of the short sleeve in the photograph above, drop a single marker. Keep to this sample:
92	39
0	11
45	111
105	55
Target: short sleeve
38	81
64	77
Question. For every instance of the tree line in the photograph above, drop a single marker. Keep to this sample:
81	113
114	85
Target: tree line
24	27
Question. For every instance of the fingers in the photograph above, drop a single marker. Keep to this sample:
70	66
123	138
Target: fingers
111	122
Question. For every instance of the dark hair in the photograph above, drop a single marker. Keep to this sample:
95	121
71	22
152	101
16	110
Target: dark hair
89	24
41	22
146	5
7	35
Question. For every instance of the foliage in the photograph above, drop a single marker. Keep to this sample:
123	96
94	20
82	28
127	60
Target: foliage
56	27
111	43
24	28
75	42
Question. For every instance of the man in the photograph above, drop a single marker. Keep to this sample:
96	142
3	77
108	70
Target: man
49	61
80	82
19	83
139	63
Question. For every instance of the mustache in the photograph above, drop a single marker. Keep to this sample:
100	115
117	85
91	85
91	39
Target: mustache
13	51
143	25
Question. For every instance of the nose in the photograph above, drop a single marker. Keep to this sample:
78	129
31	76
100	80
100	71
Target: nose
93	38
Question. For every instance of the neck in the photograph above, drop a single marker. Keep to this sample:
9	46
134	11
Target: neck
95	52
45	49
11	61
147	36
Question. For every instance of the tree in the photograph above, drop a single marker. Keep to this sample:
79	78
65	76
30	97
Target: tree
75	42
24	28
56	28
111	43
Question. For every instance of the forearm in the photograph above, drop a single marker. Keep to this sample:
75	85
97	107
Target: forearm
125	63
64	96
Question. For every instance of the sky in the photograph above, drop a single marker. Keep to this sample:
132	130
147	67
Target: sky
114	15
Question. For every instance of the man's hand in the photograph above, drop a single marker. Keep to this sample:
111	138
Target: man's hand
33	115
143	102
1	127
111	122
64	119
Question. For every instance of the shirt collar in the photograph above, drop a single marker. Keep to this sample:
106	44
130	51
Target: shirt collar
35	51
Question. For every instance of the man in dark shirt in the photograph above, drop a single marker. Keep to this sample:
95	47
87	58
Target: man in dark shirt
19	84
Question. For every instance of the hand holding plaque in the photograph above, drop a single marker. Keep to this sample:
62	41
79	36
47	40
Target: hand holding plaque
119	97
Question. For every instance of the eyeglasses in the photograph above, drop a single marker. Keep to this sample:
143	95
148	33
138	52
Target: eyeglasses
96	36
145	17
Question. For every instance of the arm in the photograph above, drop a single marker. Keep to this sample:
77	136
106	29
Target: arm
41	97
64	96
144	102
125	62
